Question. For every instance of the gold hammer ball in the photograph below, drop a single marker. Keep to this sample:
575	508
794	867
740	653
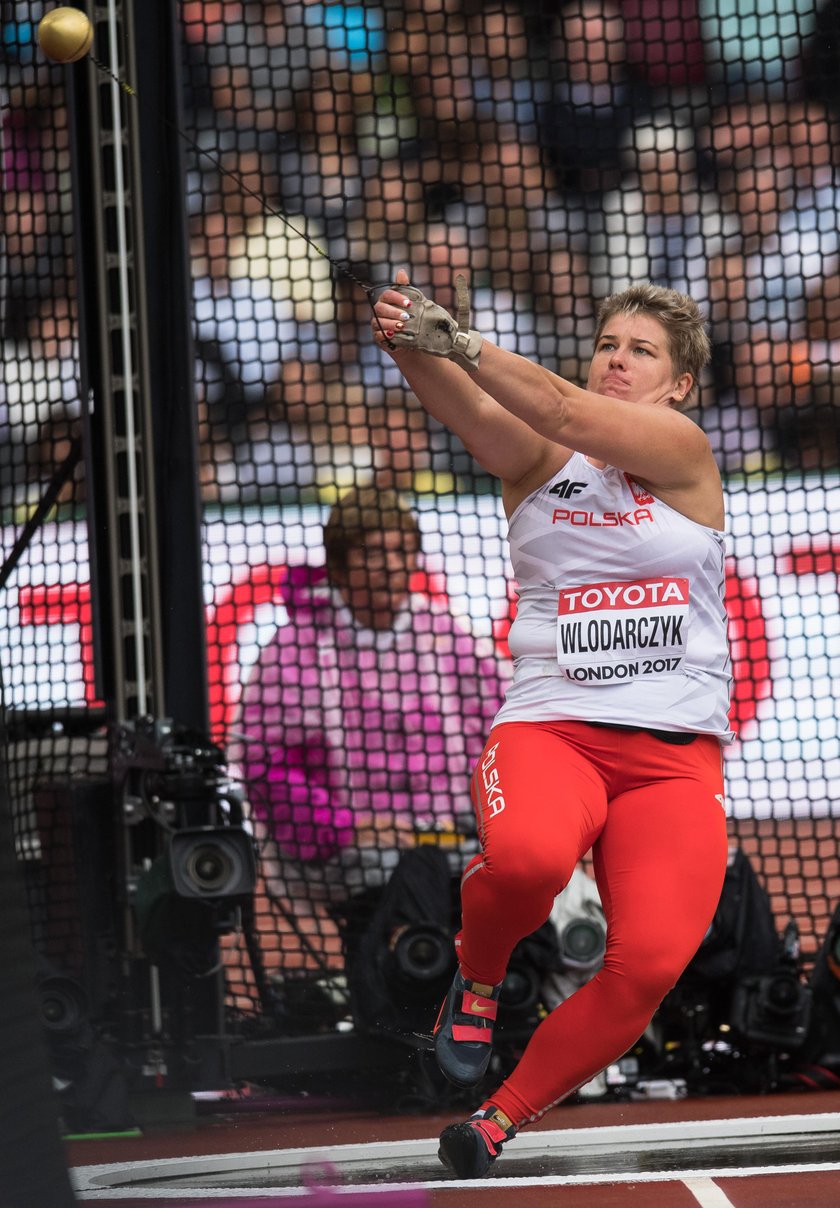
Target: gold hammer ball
65	35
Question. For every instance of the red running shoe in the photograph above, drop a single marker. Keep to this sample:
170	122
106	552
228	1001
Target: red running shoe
471	1148
464	1030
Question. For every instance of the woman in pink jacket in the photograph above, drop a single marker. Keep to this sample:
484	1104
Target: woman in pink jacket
366	712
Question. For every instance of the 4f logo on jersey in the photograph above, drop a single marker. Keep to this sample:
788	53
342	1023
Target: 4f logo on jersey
567	488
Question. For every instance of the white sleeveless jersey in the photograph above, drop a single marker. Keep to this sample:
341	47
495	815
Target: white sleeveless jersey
621	616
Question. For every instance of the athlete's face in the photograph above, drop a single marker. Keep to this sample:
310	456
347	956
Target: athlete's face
632	361
375	582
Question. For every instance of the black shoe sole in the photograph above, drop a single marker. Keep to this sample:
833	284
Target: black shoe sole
463	1152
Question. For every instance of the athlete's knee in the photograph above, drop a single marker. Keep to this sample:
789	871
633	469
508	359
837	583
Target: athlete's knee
644	975
530	869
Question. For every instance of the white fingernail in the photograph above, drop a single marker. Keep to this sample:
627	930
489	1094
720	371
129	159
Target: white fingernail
405	315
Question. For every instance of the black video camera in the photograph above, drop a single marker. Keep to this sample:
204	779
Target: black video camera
774	1008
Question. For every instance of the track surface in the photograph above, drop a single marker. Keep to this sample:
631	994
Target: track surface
796	1167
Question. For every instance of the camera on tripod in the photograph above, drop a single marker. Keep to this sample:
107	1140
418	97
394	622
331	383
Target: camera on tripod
210	863
583	942
190	862
774	1009
61	1002
421	960
578	920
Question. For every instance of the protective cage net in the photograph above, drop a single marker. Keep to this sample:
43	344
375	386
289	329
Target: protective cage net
52	720
555	153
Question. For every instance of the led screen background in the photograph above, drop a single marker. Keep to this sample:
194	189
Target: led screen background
782	596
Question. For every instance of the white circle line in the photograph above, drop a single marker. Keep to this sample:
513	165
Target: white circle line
688	1135
372	1189
117	1178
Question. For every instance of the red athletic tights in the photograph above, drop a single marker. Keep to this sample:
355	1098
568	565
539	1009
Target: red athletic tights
652	812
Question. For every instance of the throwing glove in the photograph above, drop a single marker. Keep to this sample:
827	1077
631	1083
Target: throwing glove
432	329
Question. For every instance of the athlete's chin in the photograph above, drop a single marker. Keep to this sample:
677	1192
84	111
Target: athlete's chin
616	390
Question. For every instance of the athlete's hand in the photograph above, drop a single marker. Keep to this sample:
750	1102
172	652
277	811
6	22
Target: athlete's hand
391	311
404	318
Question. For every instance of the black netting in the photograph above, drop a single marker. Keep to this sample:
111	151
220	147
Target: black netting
52	711
555	152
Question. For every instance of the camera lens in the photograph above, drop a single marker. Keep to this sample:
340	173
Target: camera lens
61	1004
782	994
422	952
209	867
582	944
211	862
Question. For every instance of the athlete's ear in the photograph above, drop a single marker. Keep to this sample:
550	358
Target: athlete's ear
682	389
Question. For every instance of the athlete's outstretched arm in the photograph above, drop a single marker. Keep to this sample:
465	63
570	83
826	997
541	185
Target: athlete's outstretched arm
648	439
504	443
644	435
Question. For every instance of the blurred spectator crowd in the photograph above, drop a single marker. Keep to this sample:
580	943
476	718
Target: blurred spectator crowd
555	152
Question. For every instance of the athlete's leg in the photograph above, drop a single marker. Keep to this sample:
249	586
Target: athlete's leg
540	804
660	862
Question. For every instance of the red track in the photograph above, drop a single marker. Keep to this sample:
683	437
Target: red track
239	1133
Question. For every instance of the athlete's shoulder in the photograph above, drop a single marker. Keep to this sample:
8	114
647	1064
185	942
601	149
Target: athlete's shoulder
541	476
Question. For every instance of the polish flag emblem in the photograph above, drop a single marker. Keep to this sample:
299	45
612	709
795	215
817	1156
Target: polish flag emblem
639	493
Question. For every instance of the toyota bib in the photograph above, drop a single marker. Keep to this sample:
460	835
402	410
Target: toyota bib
615	631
